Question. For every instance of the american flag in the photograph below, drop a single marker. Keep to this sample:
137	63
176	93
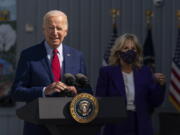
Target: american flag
174	93
110	44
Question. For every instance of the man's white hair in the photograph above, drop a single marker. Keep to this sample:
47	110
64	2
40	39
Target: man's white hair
55	13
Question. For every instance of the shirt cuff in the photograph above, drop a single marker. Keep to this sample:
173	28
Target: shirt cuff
43	92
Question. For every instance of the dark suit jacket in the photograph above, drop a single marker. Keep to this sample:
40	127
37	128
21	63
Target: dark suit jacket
148	95
34	72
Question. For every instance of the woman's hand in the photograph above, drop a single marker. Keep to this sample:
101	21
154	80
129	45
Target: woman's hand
160	78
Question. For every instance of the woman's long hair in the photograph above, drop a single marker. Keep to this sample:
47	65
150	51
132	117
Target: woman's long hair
114	58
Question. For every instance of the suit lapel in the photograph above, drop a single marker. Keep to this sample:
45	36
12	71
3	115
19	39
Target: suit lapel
118	79
67	59
45	62
135	82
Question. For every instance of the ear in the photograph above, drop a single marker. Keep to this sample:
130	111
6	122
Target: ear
65	33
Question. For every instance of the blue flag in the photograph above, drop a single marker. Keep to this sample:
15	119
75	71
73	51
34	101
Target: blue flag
148	51
110	45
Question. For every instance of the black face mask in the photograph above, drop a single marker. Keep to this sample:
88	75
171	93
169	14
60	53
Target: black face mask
128	57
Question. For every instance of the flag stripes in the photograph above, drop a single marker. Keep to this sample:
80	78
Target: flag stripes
174	92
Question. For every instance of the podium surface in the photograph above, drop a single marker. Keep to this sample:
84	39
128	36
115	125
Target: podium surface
54	114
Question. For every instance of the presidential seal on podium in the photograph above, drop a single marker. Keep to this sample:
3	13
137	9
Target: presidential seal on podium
84	108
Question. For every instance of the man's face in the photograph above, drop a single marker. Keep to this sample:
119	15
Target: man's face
55	30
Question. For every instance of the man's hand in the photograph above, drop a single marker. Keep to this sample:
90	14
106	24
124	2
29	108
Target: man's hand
72	89
54	87
59	87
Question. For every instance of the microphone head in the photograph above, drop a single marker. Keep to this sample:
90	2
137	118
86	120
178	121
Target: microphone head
82	83
81	79
69	79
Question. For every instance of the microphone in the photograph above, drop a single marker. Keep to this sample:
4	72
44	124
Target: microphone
82	81
69	80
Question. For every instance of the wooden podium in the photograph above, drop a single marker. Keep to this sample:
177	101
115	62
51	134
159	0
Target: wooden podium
55	115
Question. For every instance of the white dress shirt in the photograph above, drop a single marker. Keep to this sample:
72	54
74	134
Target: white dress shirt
130	90
49	51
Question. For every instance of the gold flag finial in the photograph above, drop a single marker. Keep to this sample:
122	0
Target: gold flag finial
149	14
178	13
178	18
114	14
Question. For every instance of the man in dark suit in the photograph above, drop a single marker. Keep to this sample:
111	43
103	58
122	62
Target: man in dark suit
41	67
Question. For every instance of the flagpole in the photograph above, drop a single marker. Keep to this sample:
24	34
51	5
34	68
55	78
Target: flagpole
114	14
148	48
178	18
174	95
149	14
